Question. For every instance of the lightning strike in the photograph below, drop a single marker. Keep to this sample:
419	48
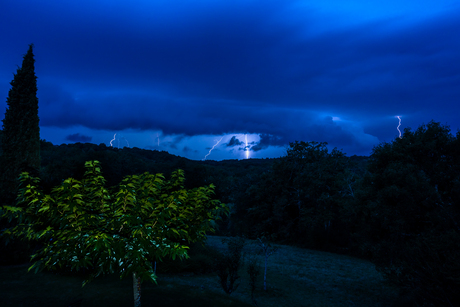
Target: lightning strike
246	148
118	140
398	117
114	136
212	148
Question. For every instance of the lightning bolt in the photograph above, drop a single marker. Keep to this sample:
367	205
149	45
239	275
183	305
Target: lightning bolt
212	148
398	117
158	137
114	136
246	148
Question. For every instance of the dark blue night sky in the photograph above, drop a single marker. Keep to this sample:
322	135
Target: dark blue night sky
181	75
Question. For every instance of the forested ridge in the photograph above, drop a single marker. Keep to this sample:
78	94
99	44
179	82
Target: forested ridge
399	207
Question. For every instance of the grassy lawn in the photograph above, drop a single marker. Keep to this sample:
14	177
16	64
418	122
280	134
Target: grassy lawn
296	277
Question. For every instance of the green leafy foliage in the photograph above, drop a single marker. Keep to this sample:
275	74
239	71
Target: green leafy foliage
83	224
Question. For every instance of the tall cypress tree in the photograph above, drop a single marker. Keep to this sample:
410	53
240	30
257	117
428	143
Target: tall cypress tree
21	131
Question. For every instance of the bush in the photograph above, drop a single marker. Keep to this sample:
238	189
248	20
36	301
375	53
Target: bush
228	264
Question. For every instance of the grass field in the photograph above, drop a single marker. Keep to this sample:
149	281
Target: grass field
296	277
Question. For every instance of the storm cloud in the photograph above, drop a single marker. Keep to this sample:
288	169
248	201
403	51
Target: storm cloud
282	70
77	137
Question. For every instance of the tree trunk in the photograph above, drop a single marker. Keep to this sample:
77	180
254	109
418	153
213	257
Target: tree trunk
137	290
265	271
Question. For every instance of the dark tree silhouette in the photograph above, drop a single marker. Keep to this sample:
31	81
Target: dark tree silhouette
409	203
21	132
301	199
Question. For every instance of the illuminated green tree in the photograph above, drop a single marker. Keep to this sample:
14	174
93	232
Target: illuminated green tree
82	224
21	131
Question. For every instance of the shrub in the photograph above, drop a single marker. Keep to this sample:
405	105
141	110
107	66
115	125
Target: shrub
228	264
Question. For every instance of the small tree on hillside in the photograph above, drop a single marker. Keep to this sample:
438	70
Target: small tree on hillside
21	132
82	224
268	250
228	265
253	273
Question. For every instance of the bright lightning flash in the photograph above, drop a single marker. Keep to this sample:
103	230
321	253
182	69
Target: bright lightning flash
398	117
246	148
114	136
212	148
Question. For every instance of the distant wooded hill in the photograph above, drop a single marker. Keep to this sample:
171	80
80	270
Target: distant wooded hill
67	160
59	162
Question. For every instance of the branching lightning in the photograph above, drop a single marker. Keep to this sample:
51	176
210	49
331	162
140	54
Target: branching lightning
399	125
212	148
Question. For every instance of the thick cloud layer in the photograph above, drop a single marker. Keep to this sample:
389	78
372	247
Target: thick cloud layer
283	70
77	137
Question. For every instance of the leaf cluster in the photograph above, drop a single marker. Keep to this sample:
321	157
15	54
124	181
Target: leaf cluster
83	224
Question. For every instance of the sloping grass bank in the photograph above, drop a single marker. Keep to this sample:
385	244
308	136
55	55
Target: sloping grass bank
296	277
302	277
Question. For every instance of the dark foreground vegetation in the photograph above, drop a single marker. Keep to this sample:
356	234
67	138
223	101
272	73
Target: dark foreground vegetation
295	277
